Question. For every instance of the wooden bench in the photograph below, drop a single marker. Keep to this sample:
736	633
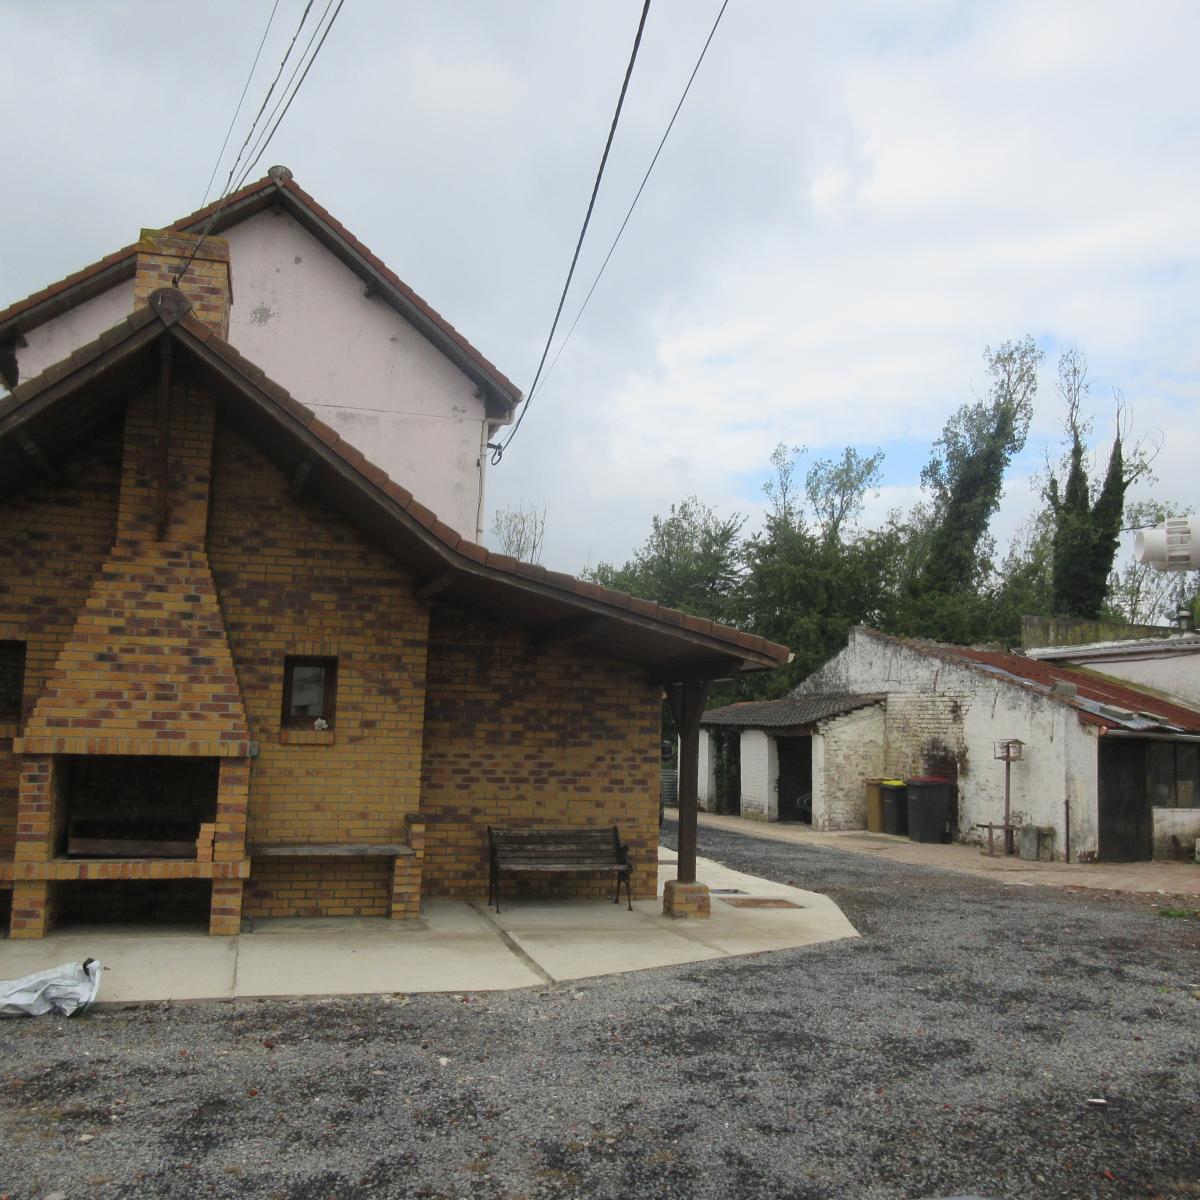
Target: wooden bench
565	851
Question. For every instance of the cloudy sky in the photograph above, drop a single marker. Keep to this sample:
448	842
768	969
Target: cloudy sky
857	199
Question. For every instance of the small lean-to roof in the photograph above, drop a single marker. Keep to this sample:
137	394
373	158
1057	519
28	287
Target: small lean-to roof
277	187
788	711
95	378
1170	645
1097	699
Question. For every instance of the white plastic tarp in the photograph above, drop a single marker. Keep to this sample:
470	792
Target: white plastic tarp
67	989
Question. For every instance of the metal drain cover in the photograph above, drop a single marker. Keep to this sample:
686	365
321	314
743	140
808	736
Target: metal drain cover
726	892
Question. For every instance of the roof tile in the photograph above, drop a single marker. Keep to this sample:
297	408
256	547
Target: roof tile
421	514
473	551
440	529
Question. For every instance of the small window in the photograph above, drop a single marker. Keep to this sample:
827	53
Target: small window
309	692
12	680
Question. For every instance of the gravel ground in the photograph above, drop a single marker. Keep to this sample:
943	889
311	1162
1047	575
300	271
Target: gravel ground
952	1049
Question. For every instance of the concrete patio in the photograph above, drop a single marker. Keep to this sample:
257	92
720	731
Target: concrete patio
454	947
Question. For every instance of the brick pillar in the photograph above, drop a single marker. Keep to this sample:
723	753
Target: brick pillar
41	814
233	799
225	914
32	910
406	876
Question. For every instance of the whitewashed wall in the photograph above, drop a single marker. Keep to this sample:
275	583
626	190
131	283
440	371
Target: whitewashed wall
760	776
847	751
706	773
1174	830
941	717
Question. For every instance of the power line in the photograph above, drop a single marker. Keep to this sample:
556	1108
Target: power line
266	100
262	133
637	196
241	101
498	451
262	149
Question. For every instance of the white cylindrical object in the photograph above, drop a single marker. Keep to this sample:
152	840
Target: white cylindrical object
1172	546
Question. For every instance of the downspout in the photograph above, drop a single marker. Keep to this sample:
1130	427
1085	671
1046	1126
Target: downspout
482	464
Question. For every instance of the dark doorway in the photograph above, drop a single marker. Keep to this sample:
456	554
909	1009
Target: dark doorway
795	778
1124	808
727	768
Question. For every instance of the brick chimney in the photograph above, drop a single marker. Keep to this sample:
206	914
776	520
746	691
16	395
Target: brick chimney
207	282
147	668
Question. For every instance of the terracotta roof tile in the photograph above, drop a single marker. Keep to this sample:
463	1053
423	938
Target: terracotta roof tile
326	433
441	530
421	514
376	475
401	495
473	551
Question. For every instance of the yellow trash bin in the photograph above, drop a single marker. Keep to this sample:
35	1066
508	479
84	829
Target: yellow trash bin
874	806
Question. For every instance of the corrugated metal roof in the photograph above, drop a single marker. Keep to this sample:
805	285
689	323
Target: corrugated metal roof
1098	699
788	711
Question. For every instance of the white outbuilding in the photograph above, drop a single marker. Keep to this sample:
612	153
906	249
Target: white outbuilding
1107	770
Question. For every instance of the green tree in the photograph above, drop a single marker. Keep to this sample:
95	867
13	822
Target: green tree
965	472
948	597
1086	527
809	576
691	560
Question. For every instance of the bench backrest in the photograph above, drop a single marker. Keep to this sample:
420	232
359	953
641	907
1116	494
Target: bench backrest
571	844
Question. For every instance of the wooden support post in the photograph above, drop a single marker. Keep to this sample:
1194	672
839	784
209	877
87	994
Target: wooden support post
300	476
687	702
164	431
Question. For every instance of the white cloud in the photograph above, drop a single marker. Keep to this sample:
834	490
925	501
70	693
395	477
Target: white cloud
856	200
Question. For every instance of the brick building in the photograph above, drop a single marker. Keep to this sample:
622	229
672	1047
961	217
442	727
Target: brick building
245	673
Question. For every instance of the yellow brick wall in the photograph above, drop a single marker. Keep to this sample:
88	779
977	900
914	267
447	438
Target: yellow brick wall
295	578
516	735
293	887
53	538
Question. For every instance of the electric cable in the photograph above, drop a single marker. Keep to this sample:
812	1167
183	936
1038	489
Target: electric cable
241	101
228	192
260	145
498	451
636	198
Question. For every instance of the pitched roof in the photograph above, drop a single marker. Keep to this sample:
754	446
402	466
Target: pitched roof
1098	699
562	606
277	187
788	711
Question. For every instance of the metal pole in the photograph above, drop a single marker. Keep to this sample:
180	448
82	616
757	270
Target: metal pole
1008	835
